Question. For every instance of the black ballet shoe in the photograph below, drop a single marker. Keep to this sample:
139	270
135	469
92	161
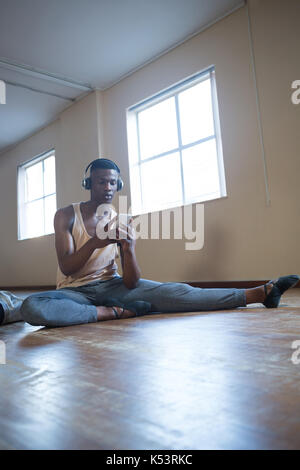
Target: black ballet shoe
1	313
279	287
139	307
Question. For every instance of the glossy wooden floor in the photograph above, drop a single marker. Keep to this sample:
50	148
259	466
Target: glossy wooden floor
218	380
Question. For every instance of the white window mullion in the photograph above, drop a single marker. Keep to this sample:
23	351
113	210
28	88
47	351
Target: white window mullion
139	160
176	149
180	147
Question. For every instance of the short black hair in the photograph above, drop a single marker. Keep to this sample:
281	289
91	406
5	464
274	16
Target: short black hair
104	163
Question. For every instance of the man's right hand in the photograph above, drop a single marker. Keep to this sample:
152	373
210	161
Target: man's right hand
102	242
111	229
98	243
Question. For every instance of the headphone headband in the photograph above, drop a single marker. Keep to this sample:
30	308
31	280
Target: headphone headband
105	160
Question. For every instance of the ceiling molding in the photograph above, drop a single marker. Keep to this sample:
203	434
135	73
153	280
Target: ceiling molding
42	74
7	82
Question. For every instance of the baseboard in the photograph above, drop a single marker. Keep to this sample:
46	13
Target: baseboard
226	284
230	284
28	288
203	284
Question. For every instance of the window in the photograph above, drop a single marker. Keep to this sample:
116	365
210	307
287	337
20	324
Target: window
174	147
36	196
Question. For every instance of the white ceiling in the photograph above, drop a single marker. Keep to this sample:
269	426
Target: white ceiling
64	44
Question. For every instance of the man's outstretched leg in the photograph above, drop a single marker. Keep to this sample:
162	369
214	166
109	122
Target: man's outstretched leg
174	297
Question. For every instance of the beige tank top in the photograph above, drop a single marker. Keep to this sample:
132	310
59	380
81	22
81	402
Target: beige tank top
100	266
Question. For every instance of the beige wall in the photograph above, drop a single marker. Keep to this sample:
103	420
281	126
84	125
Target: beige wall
244	238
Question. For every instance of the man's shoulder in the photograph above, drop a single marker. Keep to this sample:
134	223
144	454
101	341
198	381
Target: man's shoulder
64	217
65	212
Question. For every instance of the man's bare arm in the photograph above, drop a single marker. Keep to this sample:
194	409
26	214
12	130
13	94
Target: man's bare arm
69	260
130	267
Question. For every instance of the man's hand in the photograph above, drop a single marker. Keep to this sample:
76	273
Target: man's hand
126	237
123	234
103	241
98	243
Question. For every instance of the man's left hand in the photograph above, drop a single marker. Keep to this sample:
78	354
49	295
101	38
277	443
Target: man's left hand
126	237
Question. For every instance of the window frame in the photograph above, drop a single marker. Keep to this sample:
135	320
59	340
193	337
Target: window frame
134	153
21	193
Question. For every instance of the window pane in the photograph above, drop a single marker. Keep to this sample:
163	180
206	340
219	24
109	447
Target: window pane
158	129
196	114
50	209
200	170
34	219
49	175
34	181
161	182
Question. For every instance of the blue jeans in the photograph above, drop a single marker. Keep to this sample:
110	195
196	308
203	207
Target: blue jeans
75	305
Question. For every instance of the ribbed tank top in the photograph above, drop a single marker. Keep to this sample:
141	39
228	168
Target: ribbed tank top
100	266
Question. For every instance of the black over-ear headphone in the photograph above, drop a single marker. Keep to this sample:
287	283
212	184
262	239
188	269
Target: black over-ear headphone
86	182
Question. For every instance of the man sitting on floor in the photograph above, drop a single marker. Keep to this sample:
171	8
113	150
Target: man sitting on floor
89	288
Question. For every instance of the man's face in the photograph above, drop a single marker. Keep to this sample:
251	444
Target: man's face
103	185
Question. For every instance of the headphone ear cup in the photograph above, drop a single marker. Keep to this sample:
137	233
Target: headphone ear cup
86	183
120	184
